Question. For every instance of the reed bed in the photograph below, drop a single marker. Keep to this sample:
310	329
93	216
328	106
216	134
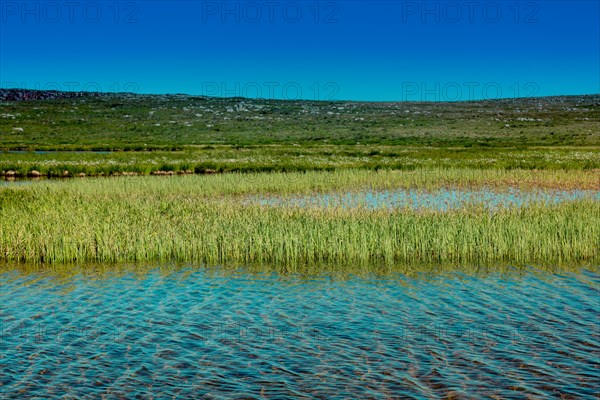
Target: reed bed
203	219
289	158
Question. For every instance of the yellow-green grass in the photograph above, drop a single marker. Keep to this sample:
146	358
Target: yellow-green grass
204	219
289	158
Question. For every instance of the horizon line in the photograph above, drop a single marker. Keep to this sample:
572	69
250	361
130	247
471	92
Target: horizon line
289	100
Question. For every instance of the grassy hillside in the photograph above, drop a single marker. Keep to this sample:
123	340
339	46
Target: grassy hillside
142	122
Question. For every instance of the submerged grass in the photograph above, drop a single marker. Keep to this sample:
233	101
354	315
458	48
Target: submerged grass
203	219
68	273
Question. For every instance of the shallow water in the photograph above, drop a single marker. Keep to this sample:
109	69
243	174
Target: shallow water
192	332
21	181
442	200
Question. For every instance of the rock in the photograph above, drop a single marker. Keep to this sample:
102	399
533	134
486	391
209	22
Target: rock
34	174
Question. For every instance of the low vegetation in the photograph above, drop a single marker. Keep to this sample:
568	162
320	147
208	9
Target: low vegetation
291	158
205	219
117	122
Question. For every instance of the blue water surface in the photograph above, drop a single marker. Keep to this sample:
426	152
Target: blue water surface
191	332
441	200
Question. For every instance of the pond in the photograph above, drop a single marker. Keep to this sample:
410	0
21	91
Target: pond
442	200
21	181
192	332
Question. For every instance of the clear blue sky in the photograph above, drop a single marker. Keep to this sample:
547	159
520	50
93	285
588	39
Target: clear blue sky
356	50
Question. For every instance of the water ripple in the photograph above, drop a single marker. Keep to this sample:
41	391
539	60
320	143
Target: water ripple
192	334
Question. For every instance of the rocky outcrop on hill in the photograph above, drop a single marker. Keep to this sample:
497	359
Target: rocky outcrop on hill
29	95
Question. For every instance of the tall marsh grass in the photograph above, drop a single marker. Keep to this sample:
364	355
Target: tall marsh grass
204	219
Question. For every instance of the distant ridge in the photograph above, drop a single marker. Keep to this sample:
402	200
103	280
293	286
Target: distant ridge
16	94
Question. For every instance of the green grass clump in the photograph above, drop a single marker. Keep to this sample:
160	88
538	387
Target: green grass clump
205	219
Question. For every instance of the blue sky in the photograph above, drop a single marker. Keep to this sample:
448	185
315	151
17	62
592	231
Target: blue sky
355	50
